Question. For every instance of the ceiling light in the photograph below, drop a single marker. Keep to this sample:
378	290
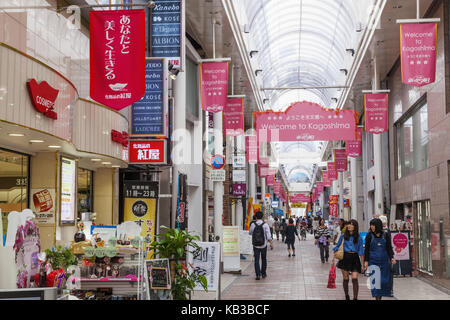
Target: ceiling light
257	71
116	166
253	52
36	141
96	159
54	147
106	162
15	134
352	51
344	71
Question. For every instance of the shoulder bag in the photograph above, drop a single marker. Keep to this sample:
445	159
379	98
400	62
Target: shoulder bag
340	253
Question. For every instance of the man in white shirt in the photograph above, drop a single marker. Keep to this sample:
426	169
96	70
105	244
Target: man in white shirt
260	233
270	222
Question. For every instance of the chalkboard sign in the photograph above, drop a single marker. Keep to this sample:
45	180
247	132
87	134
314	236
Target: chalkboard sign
159	278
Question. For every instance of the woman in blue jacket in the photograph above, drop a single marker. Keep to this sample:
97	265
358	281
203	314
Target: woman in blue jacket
353	255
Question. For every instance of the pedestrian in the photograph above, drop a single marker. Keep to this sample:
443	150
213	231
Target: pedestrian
310	224
283	228
270	222
260	233
338	230
276	226
353	252
323	238
315	224
291	231
378	252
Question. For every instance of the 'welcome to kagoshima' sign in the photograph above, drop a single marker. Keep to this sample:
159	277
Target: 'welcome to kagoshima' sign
305	121
376	112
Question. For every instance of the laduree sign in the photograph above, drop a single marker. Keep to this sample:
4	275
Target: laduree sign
305	121
117	56
418	53
376	112
43	97
214	85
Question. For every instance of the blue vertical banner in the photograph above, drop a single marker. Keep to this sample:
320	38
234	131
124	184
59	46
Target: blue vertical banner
166	33
149	115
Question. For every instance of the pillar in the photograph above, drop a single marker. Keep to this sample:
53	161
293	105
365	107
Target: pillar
218	185
354	199
341	194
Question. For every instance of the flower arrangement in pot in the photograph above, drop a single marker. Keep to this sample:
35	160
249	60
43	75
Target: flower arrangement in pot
173	244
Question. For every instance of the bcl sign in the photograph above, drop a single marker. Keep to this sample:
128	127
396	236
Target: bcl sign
43	97
148	151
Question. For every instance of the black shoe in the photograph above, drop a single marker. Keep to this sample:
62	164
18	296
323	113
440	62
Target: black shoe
289	255
257	278
264	276
347	297
355	298
293	255
323	261
326	260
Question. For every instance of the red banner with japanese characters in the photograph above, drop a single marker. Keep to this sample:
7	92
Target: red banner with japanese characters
376	112
333	205
418	53
117	57
214	85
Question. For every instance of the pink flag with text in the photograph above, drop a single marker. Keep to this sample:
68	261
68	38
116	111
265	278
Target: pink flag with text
354	147
233	117
252	149
326	180
332	173
270	180
418	53
319	188
340	159
376	112
300	197
214	85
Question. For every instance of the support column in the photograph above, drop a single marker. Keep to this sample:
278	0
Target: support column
252	181
239	204
218	185
354	201
341	194
377	154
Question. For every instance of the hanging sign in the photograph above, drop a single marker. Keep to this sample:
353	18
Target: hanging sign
418	53
233	117
148	151
332	173
340	159
166	32
333	205
239	190
214	85
43	97
326	180
218	175
354	147
305	121
400	245
376	112
300	198
251	145
117	56
149	115
120	137
239	161
217	161
239	175
319	188
270	180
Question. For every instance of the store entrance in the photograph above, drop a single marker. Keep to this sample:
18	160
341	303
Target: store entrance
424	236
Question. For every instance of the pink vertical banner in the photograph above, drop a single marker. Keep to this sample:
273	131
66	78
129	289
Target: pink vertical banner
354	147
233	117
252	149
319	188
214	85
276	188
270	180
340	159
332	173
418	53
376	112
326	180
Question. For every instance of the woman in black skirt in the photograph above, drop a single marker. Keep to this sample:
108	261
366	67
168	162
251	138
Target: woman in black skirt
353	252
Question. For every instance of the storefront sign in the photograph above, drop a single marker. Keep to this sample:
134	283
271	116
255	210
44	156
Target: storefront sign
340	159
400	244
148	151
239	161
120	137
68	190
305	121
166	34
418	53
217	161
149	115
239	190
298	205
251	145
206	261
43	97
218	175
117	56
230	241
233	117
376	112
43	205
214	85
239	175
354	147
333	205
332	173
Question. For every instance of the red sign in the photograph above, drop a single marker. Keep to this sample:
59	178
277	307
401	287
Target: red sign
332	173
120	137
43	97
376	112
252	149
148	151
333	205
270	180
117	56
354	147
340	159
305	121
418	53
233	117
214	85
181	210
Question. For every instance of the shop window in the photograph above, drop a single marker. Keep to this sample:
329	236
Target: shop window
85	191
192	99
14	171
412	140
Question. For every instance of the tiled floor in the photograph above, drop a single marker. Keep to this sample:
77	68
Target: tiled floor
302	277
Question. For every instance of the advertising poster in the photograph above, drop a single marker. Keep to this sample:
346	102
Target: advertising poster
376	112
43	205
140	205
117	56
206	261
230	241
400	244
248	217
68	189
214	85
418	53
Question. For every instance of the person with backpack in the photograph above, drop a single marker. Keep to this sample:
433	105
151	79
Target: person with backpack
260	233
276	226
283	228
378	252
291	231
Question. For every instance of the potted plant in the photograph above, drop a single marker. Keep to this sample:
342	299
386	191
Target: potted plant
60	258
173	244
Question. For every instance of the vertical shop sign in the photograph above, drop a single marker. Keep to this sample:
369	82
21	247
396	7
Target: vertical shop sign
166	31
117	57
214	85
332	173
68	190
205	260
233	117
354	147
418	53
340	159
376	112
239	190
270	180
333	205
149	115
182	212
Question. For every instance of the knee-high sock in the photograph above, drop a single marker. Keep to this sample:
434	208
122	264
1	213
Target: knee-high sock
345	284
355	288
